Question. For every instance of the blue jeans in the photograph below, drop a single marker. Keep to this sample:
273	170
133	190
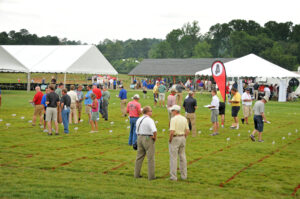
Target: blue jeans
65	119
132	134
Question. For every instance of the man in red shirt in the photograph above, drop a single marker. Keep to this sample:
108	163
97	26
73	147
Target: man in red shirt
98	94
134	110
38	107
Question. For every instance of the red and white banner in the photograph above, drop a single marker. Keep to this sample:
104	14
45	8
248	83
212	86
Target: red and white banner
219	74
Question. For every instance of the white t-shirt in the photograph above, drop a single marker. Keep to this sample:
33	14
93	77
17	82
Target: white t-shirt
73	96
267	91
246	96
147	127
215	102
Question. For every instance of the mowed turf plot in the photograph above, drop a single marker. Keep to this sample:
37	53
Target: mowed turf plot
101	165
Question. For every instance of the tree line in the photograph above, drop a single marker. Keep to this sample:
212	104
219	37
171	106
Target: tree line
276	42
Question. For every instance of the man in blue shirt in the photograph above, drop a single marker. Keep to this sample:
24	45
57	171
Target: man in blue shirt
88	101
123	98
43	102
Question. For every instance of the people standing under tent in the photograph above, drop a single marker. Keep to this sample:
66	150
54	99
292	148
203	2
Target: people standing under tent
179	130
227	89
88	102
179	87
65	104
162	94
214	107
98	94
79	103
146	136
155	93
52	101
43	102
134	111
235	107
267	91
247	105
259	118
95	113
271	87
123	99
106	97
222	108
171	102
58	92
74	101
38	107
190	106
197	84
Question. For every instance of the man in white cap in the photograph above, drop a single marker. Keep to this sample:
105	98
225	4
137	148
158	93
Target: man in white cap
259	118
179	130
134	111
146	132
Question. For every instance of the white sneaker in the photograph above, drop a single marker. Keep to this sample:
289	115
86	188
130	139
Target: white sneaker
237	127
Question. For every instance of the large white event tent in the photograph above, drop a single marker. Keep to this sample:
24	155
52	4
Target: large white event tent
255	66
83	59
252	66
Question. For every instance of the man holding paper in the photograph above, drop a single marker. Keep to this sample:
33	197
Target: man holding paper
214	107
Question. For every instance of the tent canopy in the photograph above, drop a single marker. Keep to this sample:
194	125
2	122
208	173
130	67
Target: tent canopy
252	66
86	59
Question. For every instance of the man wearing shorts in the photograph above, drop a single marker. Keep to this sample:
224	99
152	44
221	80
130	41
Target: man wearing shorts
247	105
52	101
155	93
88	102
259	118
222	106
235	107
162	94
214	107
38	107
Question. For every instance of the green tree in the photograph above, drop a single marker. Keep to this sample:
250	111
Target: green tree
202	50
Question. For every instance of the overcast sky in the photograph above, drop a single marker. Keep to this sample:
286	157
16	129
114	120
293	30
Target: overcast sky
92	21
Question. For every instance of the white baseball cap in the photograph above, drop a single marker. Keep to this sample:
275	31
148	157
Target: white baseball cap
136	96
175	108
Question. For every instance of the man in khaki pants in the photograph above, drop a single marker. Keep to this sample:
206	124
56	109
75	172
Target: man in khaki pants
190	105
73	109
146	131
179	87
179	130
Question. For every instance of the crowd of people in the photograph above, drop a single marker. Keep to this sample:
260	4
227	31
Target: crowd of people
58	105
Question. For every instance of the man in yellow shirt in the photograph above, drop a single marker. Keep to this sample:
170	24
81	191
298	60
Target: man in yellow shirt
179	130
235	107
155	93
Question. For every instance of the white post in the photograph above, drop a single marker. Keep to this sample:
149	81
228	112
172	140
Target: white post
65	79
28	81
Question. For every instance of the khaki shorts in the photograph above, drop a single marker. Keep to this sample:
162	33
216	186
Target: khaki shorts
161	96
88	109
79	107
39	110
51	114
247	110
214	115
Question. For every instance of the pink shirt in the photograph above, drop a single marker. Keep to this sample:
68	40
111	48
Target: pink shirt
171	100
95	103
134	108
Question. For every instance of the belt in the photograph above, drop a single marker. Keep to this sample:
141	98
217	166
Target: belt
179	135
134	117
144	135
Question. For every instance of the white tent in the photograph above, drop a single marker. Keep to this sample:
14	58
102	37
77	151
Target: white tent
252	66
86	59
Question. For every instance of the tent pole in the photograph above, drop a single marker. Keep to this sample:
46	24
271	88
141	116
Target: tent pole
65	79
28	81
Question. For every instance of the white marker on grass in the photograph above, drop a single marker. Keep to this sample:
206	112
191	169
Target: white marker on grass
273	142
110	131
199	132
128	127
283	138
7	125
227	139
296	130
126	120
156	122
22	118
1	120
249	131
163	130
112	123
14	115
289	134
30	121
239	135
76	129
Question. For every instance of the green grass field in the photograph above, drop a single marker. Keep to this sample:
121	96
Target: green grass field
101	165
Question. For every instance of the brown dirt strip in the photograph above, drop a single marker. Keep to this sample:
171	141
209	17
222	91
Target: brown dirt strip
258	161
295	190
67	163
